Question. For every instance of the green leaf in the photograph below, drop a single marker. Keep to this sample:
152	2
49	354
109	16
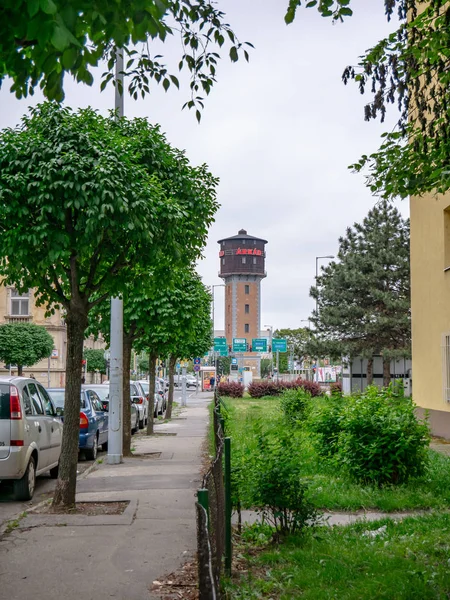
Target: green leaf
234	54
33	7
69	58
48	6
60	39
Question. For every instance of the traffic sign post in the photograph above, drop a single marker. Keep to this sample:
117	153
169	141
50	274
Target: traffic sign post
239	344
279	345
220	345
259	345
197	361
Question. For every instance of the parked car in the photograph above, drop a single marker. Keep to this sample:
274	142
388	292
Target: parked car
191	381
30	434
160	396
140	400
93	420
102	391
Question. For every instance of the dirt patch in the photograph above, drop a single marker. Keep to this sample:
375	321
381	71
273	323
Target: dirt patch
88	509
180	585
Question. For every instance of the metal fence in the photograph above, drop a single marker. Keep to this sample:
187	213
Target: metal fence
213	511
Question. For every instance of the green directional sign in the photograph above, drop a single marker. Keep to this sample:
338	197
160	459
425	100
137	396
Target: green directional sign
222	352
239	345
259	345
220	343
279	345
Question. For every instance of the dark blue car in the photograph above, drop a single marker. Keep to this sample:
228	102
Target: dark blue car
93	420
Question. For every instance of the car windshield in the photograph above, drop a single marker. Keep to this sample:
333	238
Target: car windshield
58	397
102	391
145	386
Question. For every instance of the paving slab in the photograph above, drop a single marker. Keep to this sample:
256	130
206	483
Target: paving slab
49	557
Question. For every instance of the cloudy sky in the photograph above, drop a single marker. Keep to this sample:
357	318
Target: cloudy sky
279	132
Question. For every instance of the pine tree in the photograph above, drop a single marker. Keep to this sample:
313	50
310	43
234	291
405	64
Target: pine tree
364	297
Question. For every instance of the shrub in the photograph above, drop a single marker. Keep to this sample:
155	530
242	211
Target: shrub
294	403
258	389
281	495
325	422
336	388
381	441
233	389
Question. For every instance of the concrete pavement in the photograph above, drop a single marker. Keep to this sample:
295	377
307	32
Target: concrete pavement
53	556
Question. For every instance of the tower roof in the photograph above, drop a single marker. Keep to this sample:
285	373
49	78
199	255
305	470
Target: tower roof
242	235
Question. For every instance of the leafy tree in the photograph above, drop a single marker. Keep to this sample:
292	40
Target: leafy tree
266	367
95	360
42	40
408	68
24	344
297	341
223	365
364	299
143	363
80	203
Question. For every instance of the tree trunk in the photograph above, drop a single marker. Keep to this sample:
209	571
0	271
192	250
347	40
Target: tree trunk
151	392
76	322
19	370
370	371
386	371
172	364
126	418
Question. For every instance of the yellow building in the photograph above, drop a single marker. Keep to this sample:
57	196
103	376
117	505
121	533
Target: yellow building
430	305
17	308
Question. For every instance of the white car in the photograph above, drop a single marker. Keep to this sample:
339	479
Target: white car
30	434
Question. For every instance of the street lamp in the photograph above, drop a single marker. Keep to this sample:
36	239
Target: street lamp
270	329
212	288
330	256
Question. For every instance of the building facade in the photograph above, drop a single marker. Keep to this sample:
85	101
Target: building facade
430	306
242	268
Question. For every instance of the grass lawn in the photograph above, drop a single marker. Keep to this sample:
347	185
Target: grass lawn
409	560
330	488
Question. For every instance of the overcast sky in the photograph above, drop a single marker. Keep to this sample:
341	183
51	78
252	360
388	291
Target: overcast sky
279	132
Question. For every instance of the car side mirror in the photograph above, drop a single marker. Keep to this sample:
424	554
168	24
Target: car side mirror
59	411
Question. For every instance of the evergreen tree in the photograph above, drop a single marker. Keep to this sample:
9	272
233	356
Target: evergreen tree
364	297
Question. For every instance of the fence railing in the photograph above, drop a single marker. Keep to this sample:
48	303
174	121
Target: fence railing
213	510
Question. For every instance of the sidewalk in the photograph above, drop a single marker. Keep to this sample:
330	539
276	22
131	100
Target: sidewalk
49	557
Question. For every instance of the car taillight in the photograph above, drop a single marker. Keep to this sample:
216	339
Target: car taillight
16	443
84	421
140	400
14	404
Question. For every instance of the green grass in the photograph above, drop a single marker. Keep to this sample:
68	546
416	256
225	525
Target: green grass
330	487
408	560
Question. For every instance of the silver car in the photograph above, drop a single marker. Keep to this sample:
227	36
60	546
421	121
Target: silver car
30	434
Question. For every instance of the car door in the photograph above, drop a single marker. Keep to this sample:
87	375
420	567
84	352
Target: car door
43	427
102	415
53	423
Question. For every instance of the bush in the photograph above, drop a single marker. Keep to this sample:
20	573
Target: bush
294	403
325	422
281	495
336	388
258	389
381	441
231	389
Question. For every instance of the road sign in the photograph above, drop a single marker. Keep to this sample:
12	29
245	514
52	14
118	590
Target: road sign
234	367
197	361
219	343
239	345
196	368
279	345
259	345
234	361
222	351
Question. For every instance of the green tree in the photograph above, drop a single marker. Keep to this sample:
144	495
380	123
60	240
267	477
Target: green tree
95	360
297	341
24	344
43	40
364	298
410	69
143	363
80	204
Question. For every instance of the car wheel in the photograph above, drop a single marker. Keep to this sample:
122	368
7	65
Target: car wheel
91	453
141	424
54	472
24	488
105	447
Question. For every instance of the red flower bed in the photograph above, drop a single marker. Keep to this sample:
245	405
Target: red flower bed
231	389
258	389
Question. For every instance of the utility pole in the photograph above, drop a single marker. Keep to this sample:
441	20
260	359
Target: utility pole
183	386
115	436
330	256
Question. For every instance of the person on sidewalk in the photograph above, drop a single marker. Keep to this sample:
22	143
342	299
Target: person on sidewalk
212	382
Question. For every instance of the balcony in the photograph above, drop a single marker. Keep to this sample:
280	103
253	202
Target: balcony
18	318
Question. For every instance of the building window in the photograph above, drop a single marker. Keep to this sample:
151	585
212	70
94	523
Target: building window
244	260
247	309
254	260
247	289
446	365
223	261
247	328
19	303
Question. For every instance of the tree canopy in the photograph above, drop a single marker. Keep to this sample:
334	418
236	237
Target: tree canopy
410	69
95	360
364	297
42	40
24	344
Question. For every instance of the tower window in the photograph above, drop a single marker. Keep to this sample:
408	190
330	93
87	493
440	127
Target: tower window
223	261
254	260
244	260
247	309
247	289
247	328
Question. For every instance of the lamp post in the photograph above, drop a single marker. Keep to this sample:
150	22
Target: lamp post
330	256
214	355
270	329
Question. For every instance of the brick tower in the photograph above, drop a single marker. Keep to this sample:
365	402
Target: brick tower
242	267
